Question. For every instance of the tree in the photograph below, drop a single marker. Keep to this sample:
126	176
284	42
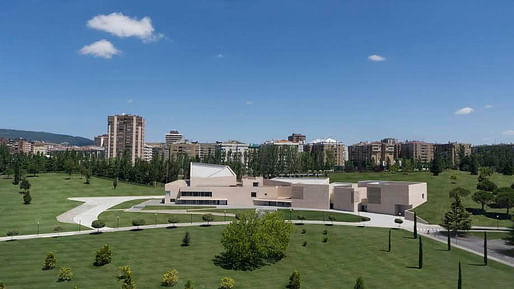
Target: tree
459	281
485	248
457	218
69	167
208	218
173	220
509	240
103	256
2	285
25	185
65	274
483	198
170	278
420	254
115	183
50	261
189	285
436	166
27	198
87	173
138	222
458	191
126	277
505	199
389	243
17	172
487	185
473	165
508	169
97	224
186	241
359	283
295	280
227	283
415	231
254	240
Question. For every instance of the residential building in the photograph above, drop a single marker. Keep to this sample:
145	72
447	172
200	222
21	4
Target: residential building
298	146
190	149
39	148
101	140
366	152
147	152
23	146
125	133
417	151
174	137
329	145
453	151
297	138
233	150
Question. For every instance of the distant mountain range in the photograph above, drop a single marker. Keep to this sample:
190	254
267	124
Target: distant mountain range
45	136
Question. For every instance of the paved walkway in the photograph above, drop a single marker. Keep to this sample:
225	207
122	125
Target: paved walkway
86	213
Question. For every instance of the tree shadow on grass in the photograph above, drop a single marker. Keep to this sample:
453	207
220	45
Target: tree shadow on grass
490	215
412	267
477	264
136	230
171	227
224	261
95	233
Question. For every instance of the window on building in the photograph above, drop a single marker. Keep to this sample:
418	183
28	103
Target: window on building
422	196
254	194
255	184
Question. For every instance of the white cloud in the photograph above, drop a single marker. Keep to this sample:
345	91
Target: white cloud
101	48
220	56
123	26
508	132
464	110
249	102
376	57
488	106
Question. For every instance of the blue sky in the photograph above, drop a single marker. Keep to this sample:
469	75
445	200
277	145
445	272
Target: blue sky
260	70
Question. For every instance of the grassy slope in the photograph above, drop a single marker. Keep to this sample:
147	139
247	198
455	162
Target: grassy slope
438	188
111	218
49	199
350	252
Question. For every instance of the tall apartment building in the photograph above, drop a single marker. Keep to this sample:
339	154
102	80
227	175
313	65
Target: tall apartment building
125	133
296	138
417	150
173	137
377	153
337	149
39	148
233	150
101	140
453	151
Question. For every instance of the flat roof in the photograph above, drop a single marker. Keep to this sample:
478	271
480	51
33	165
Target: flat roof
305	181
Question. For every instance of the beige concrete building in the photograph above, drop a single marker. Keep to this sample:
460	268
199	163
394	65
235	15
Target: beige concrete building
125	133
297	138
173	137
217	185
101	140
385	197
39	148
336	148
376	153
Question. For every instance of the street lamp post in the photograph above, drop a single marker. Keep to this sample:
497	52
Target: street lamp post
290	214
191	218
497	221
117	221
79	225
155	214
224	215
38	226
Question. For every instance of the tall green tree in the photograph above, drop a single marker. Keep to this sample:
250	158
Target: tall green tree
295	281
457	218
483	198
505	199
436	166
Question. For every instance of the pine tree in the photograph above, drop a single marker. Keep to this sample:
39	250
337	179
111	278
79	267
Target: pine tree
459	282
294	280
415	226
457	218
420	254
186	241
359	284
485	248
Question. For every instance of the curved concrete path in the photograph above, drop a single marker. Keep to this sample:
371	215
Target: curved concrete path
86	213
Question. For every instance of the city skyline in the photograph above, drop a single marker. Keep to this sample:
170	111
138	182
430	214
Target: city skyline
425	73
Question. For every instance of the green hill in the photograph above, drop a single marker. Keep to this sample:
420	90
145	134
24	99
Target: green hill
45	136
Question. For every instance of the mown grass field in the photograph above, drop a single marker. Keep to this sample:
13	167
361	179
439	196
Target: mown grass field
438	187
125	218
350	252
49	199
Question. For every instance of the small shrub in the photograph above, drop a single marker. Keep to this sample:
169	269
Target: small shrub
453	177
12	233
189	285
64	274
294	280
27	198
303	231
359	284
227	283
325	232
97	224
173	220
50	261
186	241
304	243
2	285
58	229
103	256
138	222
325	239
398	221
208	218
301	217
170	278
331	218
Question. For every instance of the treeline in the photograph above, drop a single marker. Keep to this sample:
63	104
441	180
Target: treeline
498	157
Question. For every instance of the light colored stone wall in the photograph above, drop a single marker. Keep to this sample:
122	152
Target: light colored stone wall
314	197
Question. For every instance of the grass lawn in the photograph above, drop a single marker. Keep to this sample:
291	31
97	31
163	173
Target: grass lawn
128	204
438	189
490	235
319	216
349	253
111	218
177	207
49	199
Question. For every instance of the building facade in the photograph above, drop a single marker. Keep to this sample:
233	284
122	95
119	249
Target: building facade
101	140
126	133
328	146
417	150
453	151
297	138
173	137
